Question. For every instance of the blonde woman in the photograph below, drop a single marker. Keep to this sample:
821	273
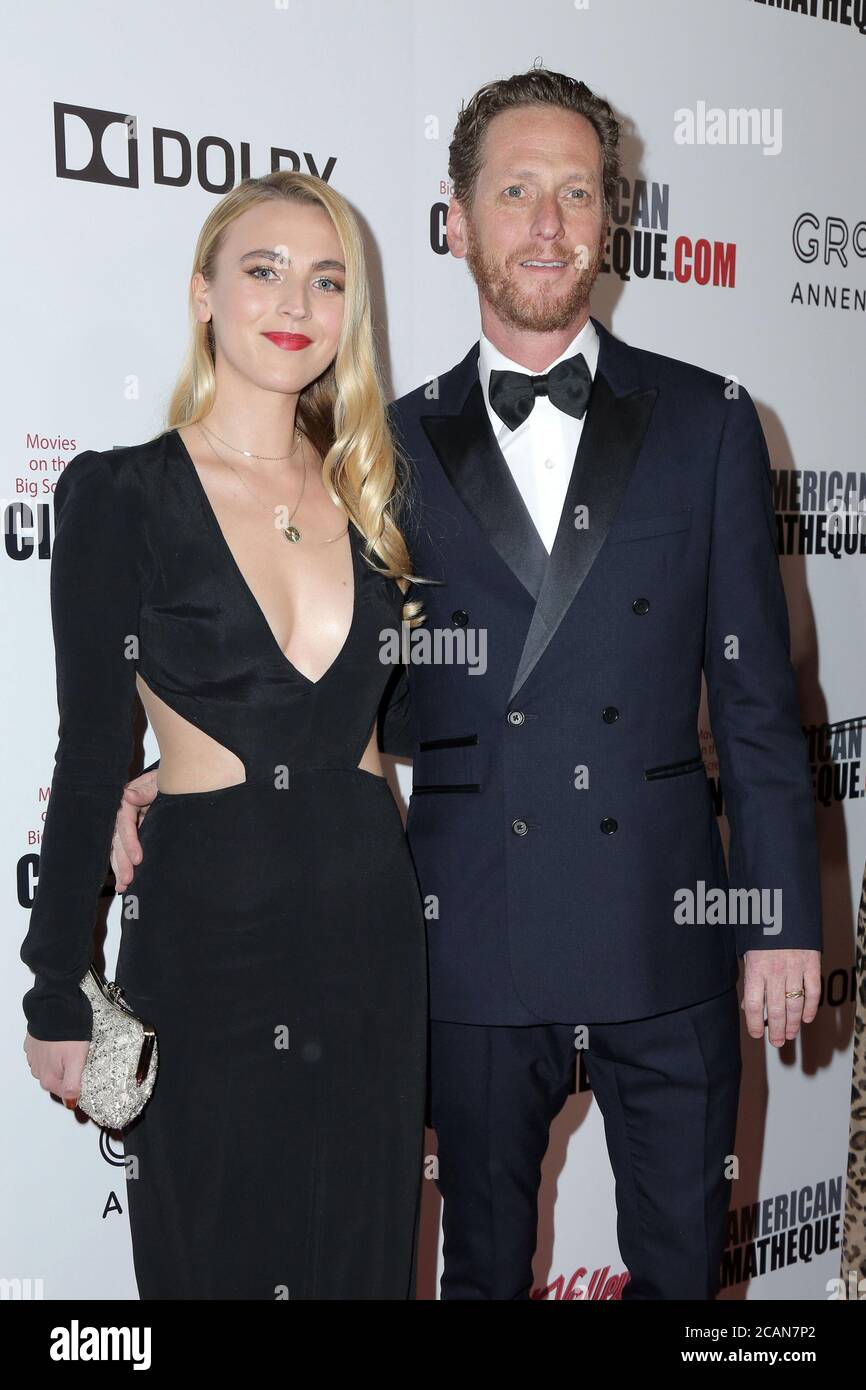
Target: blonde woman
237	571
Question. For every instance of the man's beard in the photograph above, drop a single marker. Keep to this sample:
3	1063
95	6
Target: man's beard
545	310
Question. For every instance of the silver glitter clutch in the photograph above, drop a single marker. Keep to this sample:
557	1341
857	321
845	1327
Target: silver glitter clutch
122	1059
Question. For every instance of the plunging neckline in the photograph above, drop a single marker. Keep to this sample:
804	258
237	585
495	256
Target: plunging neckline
244	585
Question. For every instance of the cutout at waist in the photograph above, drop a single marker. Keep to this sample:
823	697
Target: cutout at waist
193	763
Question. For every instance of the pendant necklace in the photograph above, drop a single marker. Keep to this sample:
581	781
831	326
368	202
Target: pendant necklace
290	532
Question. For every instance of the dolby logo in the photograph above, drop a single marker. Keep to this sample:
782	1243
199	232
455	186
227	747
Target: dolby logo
107	147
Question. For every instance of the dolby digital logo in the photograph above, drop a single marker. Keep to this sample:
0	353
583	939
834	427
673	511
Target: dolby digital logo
109	147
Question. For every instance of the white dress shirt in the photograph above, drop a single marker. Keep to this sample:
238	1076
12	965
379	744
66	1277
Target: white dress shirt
540	452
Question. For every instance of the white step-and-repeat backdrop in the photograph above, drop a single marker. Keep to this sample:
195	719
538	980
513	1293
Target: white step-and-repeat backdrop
739	243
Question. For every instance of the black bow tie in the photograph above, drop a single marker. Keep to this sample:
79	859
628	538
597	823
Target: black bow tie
568	384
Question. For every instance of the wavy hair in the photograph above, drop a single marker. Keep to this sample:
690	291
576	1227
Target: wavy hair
343	412
536	87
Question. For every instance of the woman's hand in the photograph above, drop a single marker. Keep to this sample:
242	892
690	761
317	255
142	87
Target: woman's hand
126	849
57	1066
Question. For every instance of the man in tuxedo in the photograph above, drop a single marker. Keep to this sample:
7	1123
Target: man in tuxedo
603	516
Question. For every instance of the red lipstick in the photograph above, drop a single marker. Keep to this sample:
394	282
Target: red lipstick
289	342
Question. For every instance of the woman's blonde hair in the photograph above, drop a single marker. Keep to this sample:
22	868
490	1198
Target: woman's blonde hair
342	413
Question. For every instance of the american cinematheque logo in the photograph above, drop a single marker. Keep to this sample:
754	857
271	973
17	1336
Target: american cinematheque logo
848	14
836	760
820	511
105	147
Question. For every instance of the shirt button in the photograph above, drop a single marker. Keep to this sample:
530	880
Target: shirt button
519	827
609	714
549	463
516	716
608	825
460	617
641	605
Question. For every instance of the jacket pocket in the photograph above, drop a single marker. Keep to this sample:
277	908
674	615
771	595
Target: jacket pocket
445	765
642	526
674	769
462	741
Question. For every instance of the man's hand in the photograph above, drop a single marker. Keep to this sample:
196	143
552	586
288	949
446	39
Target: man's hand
126	849
772	974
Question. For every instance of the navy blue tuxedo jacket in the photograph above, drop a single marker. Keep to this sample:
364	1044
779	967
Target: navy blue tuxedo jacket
559	799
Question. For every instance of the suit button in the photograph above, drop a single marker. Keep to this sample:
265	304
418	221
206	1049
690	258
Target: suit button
519	827
609	714
608	825
641	605
516	716
459	617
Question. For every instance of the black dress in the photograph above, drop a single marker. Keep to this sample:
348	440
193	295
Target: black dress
273	933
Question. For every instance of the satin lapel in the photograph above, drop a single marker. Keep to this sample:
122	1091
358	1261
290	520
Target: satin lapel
474	464
609	445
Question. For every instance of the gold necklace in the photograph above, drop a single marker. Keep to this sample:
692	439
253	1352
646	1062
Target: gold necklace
290	532
271	458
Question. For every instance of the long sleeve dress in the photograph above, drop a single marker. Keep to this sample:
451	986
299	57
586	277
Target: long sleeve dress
273	933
